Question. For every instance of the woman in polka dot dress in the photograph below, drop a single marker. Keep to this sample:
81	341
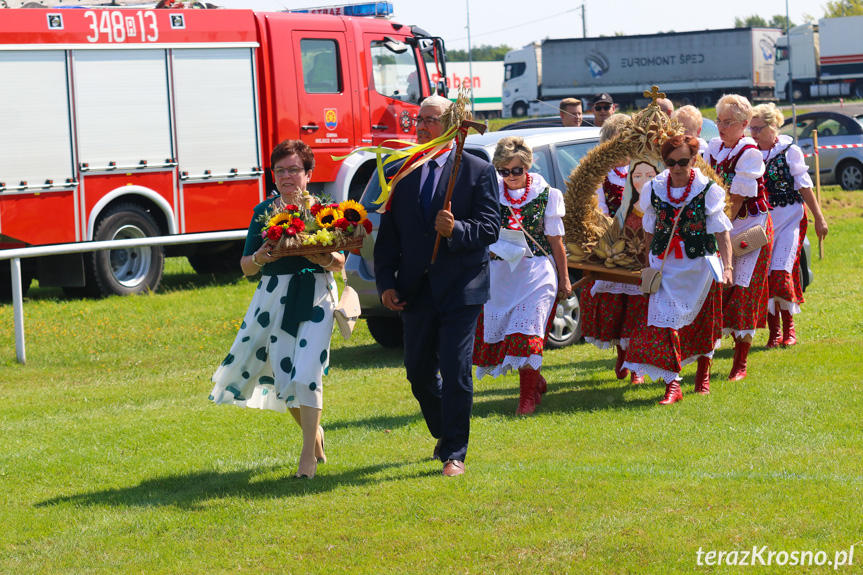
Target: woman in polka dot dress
281	352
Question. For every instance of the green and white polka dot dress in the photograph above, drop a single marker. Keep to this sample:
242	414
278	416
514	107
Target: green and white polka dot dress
268	368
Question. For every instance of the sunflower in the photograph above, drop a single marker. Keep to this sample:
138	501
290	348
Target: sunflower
352	211
280	218
327	217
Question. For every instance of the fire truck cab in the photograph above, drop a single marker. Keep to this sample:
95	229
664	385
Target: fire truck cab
135	122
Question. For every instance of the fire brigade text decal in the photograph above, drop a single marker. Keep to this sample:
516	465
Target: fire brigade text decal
117	26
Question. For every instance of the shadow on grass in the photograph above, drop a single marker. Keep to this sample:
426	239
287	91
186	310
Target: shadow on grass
366	356
189	491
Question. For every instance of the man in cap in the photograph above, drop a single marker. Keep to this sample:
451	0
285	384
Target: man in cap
603	107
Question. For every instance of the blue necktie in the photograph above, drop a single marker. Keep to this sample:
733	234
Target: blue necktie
427	190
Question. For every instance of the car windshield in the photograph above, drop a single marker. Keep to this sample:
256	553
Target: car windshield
569	155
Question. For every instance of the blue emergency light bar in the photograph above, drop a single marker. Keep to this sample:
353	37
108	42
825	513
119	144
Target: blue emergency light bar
368	10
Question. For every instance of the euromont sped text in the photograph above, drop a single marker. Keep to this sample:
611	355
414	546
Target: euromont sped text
758	556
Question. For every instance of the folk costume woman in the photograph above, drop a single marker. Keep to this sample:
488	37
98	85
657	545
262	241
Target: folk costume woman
738	161
281	352
684	318
611	311
514	323
788	188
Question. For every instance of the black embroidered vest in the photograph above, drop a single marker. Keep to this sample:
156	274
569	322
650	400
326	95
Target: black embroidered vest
532	218
692	226
780	182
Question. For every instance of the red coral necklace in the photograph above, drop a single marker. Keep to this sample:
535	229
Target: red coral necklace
620	175
520	200
681	199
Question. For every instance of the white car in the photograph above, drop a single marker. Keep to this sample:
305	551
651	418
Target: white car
556	151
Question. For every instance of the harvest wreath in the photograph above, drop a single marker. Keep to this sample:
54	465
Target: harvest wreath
315	227
604	247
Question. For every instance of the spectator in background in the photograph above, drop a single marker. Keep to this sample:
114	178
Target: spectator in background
666	106
603	107
690	118
570	112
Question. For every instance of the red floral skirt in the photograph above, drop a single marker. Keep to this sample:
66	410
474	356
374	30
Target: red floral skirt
514	345
606	318
784	285
745	308
668	348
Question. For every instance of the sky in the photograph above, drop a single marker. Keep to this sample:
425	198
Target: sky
510	22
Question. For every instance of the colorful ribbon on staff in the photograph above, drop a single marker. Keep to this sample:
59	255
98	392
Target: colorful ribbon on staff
416	154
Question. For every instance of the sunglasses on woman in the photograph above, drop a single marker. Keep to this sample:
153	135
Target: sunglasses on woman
683	162
515	172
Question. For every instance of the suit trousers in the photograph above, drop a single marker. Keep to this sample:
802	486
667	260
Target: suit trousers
438	361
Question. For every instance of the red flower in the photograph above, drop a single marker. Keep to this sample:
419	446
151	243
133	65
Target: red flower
367	224
342	224
291	231
334	206
744	245
315	209
298	224
274	233
291	208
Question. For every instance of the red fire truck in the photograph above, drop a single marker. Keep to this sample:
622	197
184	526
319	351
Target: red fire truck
133	122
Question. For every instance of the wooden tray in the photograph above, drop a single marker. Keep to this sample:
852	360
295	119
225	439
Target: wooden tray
600	272
354	243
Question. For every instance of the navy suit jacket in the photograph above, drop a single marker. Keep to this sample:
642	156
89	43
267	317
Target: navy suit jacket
405	242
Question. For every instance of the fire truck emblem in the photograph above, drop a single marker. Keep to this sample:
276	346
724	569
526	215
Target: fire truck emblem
331	118
405	121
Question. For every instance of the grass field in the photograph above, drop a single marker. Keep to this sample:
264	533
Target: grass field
113	460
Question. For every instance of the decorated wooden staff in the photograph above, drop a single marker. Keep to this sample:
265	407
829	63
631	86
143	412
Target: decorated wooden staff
459	146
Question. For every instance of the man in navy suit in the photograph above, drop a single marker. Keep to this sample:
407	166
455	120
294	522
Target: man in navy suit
440	302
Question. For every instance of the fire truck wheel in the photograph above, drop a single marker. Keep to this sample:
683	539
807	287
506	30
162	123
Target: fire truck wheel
27	276
130	270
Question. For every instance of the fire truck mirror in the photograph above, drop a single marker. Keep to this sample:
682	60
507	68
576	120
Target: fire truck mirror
394	45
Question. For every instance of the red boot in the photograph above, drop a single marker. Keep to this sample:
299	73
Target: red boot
738	368
775	337
702	376
527	379
672	393
620	371
635	379
788	336
541	387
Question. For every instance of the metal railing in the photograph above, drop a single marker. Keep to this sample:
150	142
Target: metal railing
15	255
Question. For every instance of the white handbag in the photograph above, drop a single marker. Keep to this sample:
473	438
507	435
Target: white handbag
347	310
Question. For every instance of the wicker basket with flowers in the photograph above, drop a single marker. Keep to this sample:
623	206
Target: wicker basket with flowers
315	227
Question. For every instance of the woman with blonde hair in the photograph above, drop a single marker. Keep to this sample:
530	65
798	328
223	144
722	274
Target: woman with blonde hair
738	161
513	324
691	119
789	187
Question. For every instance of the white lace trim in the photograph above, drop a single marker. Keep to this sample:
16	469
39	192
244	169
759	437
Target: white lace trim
738	334
784	305
655	373
602	344
510	363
